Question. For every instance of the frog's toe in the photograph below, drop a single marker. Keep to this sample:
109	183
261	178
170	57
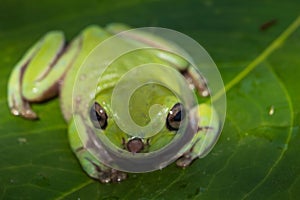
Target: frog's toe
29	114
184	161
21	107
101	172
112	175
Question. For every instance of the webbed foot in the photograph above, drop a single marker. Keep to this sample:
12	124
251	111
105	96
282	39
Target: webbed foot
111	176
184	161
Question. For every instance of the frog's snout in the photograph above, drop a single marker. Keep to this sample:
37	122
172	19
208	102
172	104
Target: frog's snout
135	145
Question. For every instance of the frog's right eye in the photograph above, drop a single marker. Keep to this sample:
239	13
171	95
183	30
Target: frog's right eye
98	116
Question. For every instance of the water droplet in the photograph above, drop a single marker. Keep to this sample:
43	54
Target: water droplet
22	140
35	90
205	93
271	110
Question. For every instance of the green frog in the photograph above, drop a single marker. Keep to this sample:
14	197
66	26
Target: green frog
50	68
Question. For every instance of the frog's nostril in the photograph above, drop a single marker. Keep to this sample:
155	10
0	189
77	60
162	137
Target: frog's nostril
135	145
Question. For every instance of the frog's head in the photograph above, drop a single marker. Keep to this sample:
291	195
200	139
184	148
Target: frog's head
102	117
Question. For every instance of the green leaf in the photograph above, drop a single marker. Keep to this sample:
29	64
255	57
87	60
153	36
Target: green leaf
256	156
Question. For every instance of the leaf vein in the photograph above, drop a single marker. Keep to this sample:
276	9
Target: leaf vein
287	141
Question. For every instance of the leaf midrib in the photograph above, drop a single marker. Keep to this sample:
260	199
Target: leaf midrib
261	57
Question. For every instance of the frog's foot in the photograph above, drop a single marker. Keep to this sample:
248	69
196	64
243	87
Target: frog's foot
101	172
198	149
20	107
17	104
185	160
112	175
89	162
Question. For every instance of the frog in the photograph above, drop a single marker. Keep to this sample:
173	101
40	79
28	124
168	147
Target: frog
50	68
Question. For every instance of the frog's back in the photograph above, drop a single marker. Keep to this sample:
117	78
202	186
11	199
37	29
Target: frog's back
89	38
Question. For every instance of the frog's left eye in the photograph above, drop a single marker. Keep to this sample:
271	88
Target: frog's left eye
98	116
175	116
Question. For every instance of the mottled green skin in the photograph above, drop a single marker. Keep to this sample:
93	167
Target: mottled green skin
48	82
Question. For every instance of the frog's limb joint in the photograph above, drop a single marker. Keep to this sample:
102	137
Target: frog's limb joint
196	81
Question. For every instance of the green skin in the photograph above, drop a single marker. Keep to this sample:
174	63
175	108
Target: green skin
49	68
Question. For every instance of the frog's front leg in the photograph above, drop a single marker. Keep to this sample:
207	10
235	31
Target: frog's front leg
96	169
90	164
37	75
205	138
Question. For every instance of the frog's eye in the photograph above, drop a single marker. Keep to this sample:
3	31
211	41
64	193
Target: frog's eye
98	116
175	116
